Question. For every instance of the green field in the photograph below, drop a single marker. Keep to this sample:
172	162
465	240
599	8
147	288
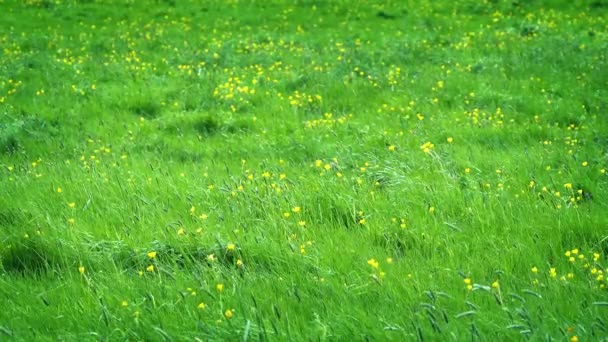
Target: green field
304	170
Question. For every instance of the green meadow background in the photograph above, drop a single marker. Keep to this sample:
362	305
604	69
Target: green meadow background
303	170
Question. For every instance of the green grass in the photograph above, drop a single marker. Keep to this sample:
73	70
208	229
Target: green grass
382	170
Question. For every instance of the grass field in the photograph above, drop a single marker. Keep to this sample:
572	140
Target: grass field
304	170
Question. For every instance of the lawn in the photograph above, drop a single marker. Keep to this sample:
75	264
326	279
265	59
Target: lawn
303	170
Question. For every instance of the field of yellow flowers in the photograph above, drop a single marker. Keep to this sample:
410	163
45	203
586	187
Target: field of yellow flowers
303	170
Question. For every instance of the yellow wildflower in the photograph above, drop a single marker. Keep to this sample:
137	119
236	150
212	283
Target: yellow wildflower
373	263
229	313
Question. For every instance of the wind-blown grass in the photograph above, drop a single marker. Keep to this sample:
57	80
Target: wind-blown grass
303	170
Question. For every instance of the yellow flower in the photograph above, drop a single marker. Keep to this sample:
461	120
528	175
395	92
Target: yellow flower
201	306
534	269
230	247
373	263
427	147
302	223
296	209
450	140
495	285
59	190
467	281
81	269
124	303
181	231
152	255
574	338
211	257
389	260
467	170
219	287
71	204
239	263
392	148
150	268
229	313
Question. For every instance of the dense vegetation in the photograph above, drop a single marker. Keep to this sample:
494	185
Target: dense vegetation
401	170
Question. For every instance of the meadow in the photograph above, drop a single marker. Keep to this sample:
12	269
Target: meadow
303	170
